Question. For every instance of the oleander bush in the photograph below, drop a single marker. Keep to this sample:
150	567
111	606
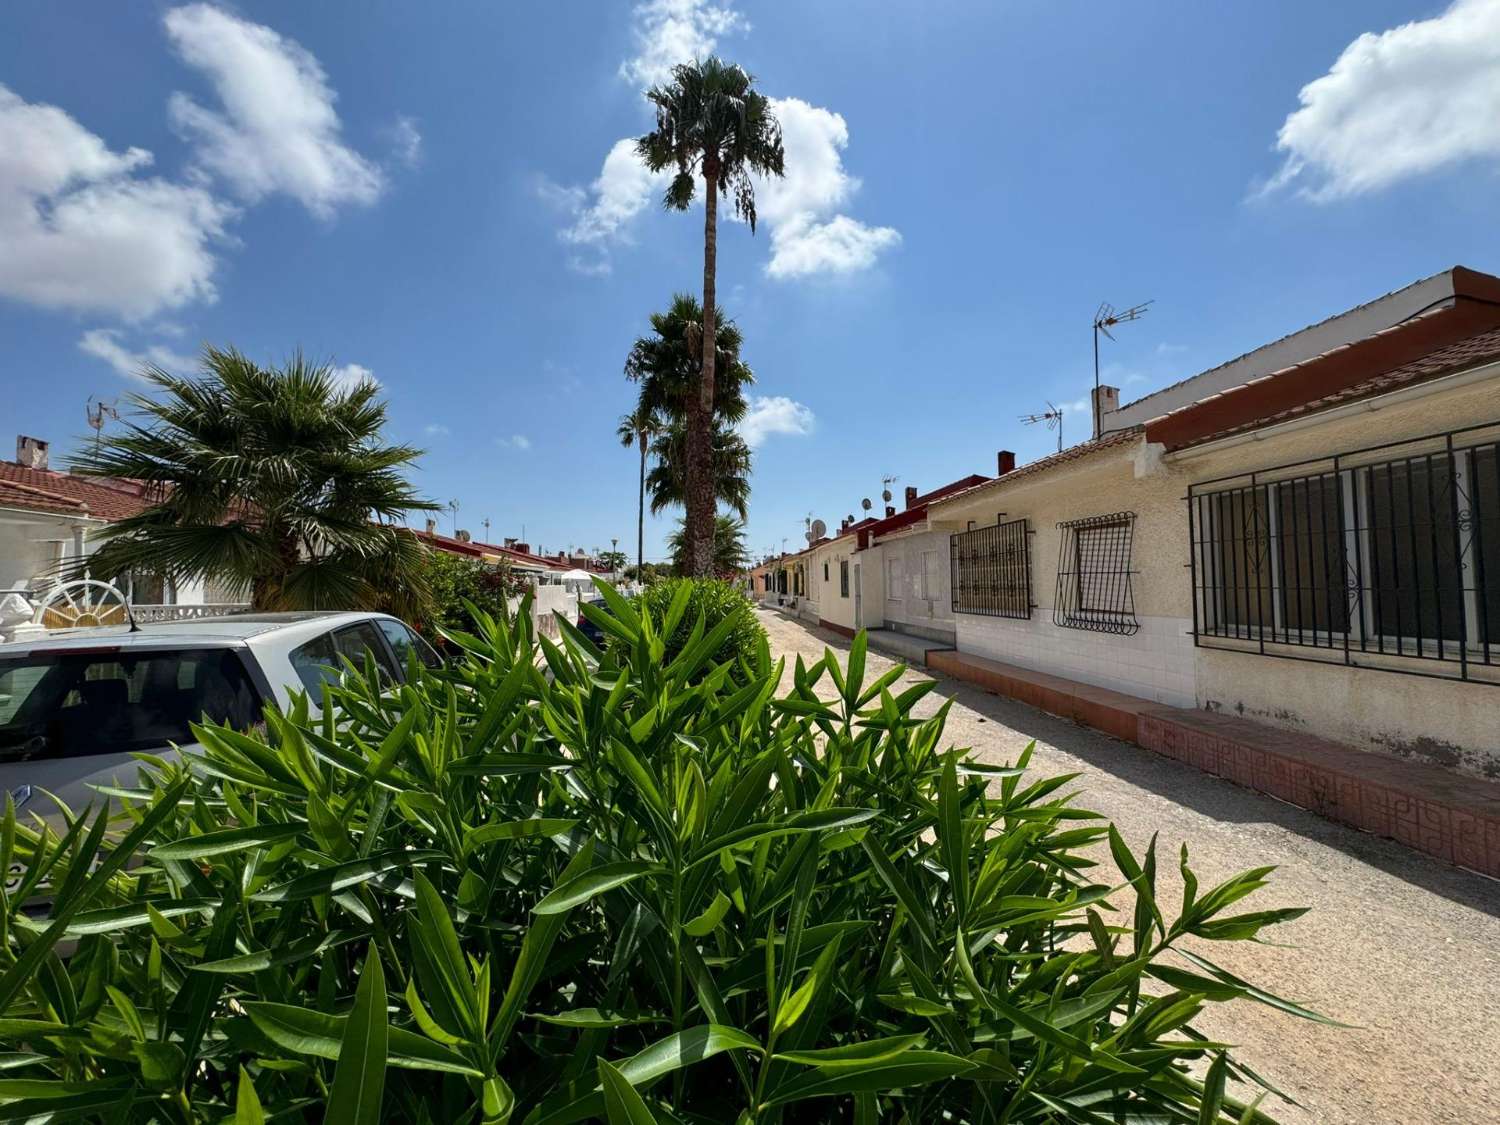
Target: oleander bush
712	600
610	886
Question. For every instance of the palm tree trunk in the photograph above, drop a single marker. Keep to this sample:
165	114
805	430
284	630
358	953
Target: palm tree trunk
700	416
640	518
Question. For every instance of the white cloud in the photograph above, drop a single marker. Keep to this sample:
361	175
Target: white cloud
277	131
349	376
516	441
1397	104
81	228
105	344
841	245
406	141
774	414
668	32
601	214
436	429
804	239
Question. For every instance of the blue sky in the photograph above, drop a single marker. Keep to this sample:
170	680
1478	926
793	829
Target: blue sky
432	196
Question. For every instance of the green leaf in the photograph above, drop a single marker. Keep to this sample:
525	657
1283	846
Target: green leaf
1213	1090
517	830
705	923
22	970
247	1108
341	876
210	844
597	1018
622	1104
583	887
900	1071
683	1049
306	1032
815	820
852	1054
359	1079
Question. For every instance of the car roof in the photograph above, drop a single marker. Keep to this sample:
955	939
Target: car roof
225	631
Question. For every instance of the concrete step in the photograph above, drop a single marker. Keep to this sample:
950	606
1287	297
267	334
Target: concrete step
913	651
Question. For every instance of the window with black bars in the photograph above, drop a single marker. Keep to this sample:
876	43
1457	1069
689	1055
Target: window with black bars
1094	579
992	570
1391	552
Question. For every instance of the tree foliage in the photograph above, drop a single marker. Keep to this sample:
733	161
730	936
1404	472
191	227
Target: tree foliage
275	480
456	584
730	555
619	885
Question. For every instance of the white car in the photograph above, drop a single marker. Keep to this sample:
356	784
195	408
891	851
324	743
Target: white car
76	705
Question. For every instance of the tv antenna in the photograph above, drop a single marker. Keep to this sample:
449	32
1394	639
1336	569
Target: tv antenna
1105	319
97	411
452	507
1053	417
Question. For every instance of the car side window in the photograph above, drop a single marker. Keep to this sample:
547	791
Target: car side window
359	639
404	642
316	663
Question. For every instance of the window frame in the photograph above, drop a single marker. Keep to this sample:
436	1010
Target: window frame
1432	521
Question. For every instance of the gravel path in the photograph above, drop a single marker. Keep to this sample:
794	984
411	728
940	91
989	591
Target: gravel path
1403	946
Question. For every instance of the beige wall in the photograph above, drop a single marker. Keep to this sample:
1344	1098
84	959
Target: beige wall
1448	723
832	606
905	605
1156	662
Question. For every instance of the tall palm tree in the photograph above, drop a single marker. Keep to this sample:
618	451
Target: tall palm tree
730	556
272	480
710	121
638	428
667	481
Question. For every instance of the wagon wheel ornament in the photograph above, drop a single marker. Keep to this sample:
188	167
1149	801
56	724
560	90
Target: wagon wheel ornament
85	603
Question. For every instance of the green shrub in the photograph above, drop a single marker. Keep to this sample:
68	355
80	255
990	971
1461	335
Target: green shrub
617	889
454	580
714	600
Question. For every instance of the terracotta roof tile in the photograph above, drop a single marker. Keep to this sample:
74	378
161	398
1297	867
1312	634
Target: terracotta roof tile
96	497
1483	347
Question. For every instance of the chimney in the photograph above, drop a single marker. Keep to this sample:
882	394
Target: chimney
1106	401
462	536
431	526
510	541
31	453
890	510
1005	461
524	548
911	495
844	526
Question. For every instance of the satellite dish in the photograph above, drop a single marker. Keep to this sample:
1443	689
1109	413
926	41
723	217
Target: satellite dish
808	535
886	495
865	503
819	529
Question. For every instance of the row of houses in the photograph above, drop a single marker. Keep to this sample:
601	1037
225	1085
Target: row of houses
1307	536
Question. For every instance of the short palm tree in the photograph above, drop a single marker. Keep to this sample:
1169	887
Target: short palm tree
666	364
710	122
730	556
638	428
275	481
666	482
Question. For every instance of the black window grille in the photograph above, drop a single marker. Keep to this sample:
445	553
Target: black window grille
843	578
1094	579
1388	552
992	570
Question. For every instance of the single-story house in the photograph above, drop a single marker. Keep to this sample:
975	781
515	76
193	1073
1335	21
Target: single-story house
1308	536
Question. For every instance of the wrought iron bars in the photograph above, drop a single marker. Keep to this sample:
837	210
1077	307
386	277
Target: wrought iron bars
992	570
1367	558
1094	589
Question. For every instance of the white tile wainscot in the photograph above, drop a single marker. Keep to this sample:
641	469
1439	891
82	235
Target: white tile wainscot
1155	663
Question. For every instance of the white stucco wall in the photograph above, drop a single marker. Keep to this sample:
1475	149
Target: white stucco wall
919	584
1155	663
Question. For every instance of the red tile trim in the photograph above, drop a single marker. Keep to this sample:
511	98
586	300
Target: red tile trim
1448	815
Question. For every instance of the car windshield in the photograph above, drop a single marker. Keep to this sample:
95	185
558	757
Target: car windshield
75	704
